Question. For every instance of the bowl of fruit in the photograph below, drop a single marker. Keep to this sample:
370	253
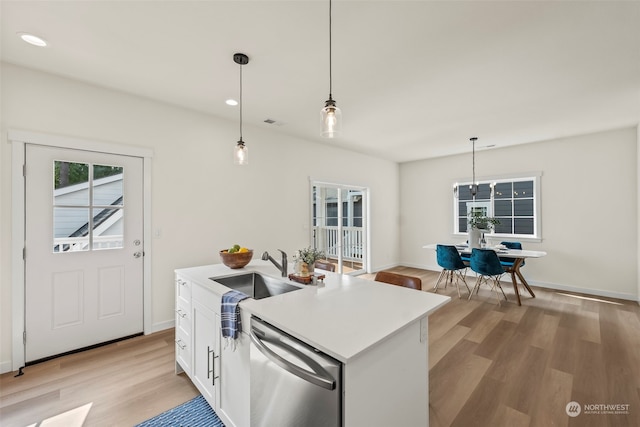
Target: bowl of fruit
236	256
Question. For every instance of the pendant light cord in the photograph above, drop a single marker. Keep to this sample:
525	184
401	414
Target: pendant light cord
240	102
474	161
473	187
330	53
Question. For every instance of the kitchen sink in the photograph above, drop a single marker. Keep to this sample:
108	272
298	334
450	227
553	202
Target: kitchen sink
256	285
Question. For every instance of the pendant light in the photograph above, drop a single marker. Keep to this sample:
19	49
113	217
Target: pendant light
331	115
241	153
473	188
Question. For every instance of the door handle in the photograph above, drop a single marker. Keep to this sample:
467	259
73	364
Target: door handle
320	378
137	254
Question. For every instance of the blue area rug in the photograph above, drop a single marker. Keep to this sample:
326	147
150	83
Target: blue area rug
194	413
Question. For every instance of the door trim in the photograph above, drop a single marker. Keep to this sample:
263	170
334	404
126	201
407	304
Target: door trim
367	212
18	140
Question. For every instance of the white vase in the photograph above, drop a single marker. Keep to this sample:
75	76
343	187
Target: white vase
474	237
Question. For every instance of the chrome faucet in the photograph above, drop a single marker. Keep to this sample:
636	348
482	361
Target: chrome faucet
282	267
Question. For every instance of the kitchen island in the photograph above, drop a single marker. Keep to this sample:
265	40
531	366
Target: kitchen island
377	331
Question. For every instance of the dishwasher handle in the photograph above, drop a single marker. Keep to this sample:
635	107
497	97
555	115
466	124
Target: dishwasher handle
322	378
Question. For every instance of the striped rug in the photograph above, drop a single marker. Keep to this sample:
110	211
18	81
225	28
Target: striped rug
194	413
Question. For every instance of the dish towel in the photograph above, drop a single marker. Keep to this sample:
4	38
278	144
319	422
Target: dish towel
230	322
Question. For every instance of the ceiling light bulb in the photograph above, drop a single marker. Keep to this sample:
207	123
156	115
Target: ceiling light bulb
331	120
241	154
32	40
231	102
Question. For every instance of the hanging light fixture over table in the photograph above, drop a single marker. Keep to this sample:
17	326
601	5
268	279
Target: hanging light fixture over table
241	153
473	188
330	114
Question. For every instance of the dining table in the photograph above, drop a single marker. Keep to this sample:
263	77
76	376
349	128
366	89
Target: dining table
518	256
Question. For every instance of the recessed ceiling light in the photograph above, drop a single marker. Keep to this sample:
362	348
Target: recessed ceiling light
33	40
231	102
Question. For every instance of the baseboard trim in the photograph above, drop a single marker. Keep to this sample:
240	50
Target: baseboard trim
5	367
161	326
555	286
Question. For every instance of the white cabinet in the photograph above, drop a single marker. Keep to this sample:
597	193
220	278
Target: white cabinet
206	342
205	351
219	372
183	325
233	401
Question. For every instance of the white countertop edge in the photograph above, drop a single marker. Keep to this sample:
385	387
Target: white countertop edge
312	313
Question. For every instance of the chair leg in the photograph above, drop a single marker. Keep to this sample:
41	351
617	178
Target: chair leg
460	276
449	279
500	286
493	288
442	273
463	276
475	287
458	287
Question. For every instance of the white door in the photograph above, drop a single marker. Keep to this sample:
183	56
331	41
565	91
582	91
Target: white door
83	249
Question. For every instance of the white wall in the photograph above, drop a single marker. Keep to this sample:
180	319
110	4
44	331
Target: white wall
589	207
201	202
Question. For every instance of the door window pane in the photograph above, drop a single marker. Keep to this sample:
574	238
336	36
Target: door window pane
88	206
107	228
107	185
70	183
70	232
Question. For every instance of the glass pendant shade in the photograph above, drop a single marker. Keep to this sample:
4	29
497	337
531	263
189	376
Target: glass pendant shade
331	117
241	154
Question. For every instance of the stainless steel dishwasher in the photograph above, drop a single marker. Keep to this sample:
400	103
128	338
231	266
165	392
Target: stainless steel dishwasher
292	383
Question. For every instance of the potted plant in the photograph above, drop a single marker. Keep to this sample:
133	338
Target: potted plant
306	259
478	220
478	224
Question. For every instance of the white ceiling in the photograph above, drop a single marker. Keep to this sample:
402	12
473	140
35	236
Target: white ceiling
414	79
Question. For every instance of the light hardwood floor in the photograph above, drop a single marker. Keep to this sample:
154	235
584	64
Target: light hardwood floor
489	365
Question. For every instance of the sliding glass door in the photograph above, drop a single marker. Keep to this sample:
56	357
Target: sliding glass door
339	225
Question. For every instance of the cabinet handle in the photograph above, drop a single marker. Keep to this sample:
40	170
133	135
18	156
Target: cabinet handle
209	362
181	313
213	381
211	365
180	344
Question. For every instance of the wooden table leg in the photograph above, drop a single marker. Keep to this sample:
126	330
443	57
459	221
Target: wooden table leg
515	284
515	271
524	282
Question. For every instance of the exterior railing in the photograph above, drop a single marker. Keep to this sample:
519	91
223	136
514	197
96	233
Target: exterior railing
328	239
76	244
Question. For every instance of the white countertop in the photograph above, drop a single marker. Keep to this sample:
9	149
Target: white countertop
343	317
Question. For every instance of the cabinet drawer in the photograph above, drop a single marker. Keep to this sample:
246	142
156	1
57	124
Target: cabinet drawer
183	351
206	298
183	289
183	317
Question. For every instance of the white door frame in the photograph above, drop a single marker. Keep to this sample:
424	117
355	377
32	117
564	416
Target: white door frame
366	211
18	140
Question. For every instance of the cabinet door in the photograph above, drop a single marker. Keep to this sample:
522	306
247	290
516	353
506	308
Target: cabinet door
233	401
205	351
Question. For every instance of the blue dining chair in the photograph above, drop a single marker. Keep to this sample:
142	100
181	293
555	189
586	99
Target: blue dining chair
449	259
507	263
486	264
